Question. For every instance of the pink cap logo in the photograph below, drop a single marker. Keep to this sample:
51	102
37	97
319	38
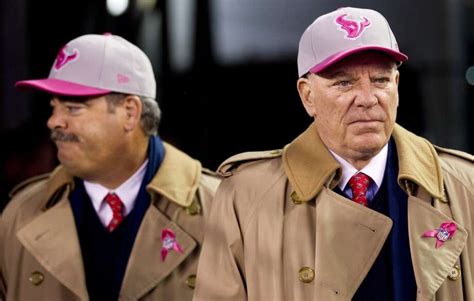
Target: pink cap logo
122	79
353	28
65	56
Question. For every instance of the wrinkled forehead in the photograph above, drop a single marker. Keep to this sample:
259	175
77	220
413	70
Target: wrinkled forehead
369	59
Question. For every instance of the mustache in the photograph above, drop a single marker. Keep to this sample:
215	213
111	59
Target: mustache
57	135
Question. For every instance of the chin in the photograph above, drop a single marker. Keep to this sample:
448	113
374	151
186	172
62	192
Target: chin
369	146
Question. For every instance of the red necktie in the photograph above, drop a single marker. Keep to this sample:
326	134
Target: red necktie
359	183
117	209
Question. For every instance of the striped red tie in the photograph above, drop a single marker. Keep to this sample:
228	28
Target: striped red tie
117	209
359	183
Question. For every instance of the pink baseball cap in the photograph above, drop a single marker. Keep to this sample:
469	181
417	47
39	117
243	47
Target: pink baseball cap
94	65
343	32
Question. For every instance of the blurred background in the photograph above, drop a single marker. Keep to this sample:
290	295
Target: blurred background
226	70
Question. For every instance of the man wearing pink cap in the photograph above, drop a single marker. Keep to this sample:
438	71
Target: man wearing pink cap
122	217
356	207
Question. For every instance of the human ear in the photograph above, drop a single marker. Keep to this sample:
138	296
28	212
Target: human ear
133	110
307	95
397	80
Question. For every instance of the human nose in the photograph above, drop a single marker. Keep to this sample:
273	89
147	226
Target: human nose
56	120
366	96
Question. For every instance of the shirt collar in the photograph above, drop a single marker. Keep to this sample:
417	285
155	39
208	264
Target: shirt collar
375	169
127	191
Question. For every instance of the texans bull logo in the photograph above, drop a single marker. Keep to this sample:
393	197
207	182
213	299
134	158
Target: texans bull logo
353	28
65	56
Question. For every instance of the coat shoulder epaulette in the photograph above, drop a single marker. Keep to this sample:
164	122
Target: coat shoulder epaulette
229	166
458	164
456	153
27	182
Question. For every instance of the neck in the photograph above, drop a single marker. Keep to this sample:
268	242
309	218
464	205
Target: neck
359	164
127	163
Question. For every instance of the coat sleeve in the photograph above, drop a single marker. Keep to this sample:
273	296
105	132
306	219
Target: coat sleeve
221	274
2	244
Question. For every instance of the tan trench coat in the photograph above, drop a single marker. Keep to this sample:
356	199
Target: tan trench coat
40	256
277	231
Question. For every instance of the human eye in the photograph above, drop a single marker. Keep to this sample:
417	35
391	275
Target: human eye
381	81
73	109
343	83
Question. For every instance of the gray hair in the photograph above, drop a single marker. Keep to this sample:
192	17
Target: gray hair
151	113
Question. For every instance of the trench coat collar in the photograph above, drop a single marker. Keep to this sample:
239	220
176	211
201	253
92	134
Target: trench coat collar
178	177
310	166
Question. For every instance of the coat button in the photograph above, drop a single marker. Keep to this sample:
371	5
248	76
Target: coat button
295	198
36	278
306	274
191	281
455	273
193	209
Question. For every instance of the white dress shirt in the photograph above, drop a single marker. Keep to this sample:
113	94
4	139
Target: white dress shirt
127	192
375	169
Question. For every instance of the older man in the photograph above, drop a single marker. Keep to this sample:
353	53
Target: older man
121	218
356	207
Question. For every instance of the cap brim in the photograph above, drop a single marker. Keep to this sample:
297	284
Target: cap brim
60	87
397	56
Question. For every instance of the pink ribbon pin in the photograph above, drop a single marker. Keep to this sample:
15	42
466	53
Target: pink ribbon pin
442	234
168	238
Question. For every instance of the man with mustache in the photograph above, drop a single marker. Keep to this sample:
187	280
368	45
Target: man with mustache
122	217
356	207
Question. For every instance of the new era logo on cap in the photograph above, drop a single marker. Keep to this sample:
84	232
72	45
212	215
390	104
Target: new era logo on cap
340	33
93	65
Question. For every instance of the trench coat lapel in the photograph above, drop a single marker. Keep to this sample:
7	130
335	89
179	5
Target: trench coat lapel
52	240
349	238
431	265
177	181
145	267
